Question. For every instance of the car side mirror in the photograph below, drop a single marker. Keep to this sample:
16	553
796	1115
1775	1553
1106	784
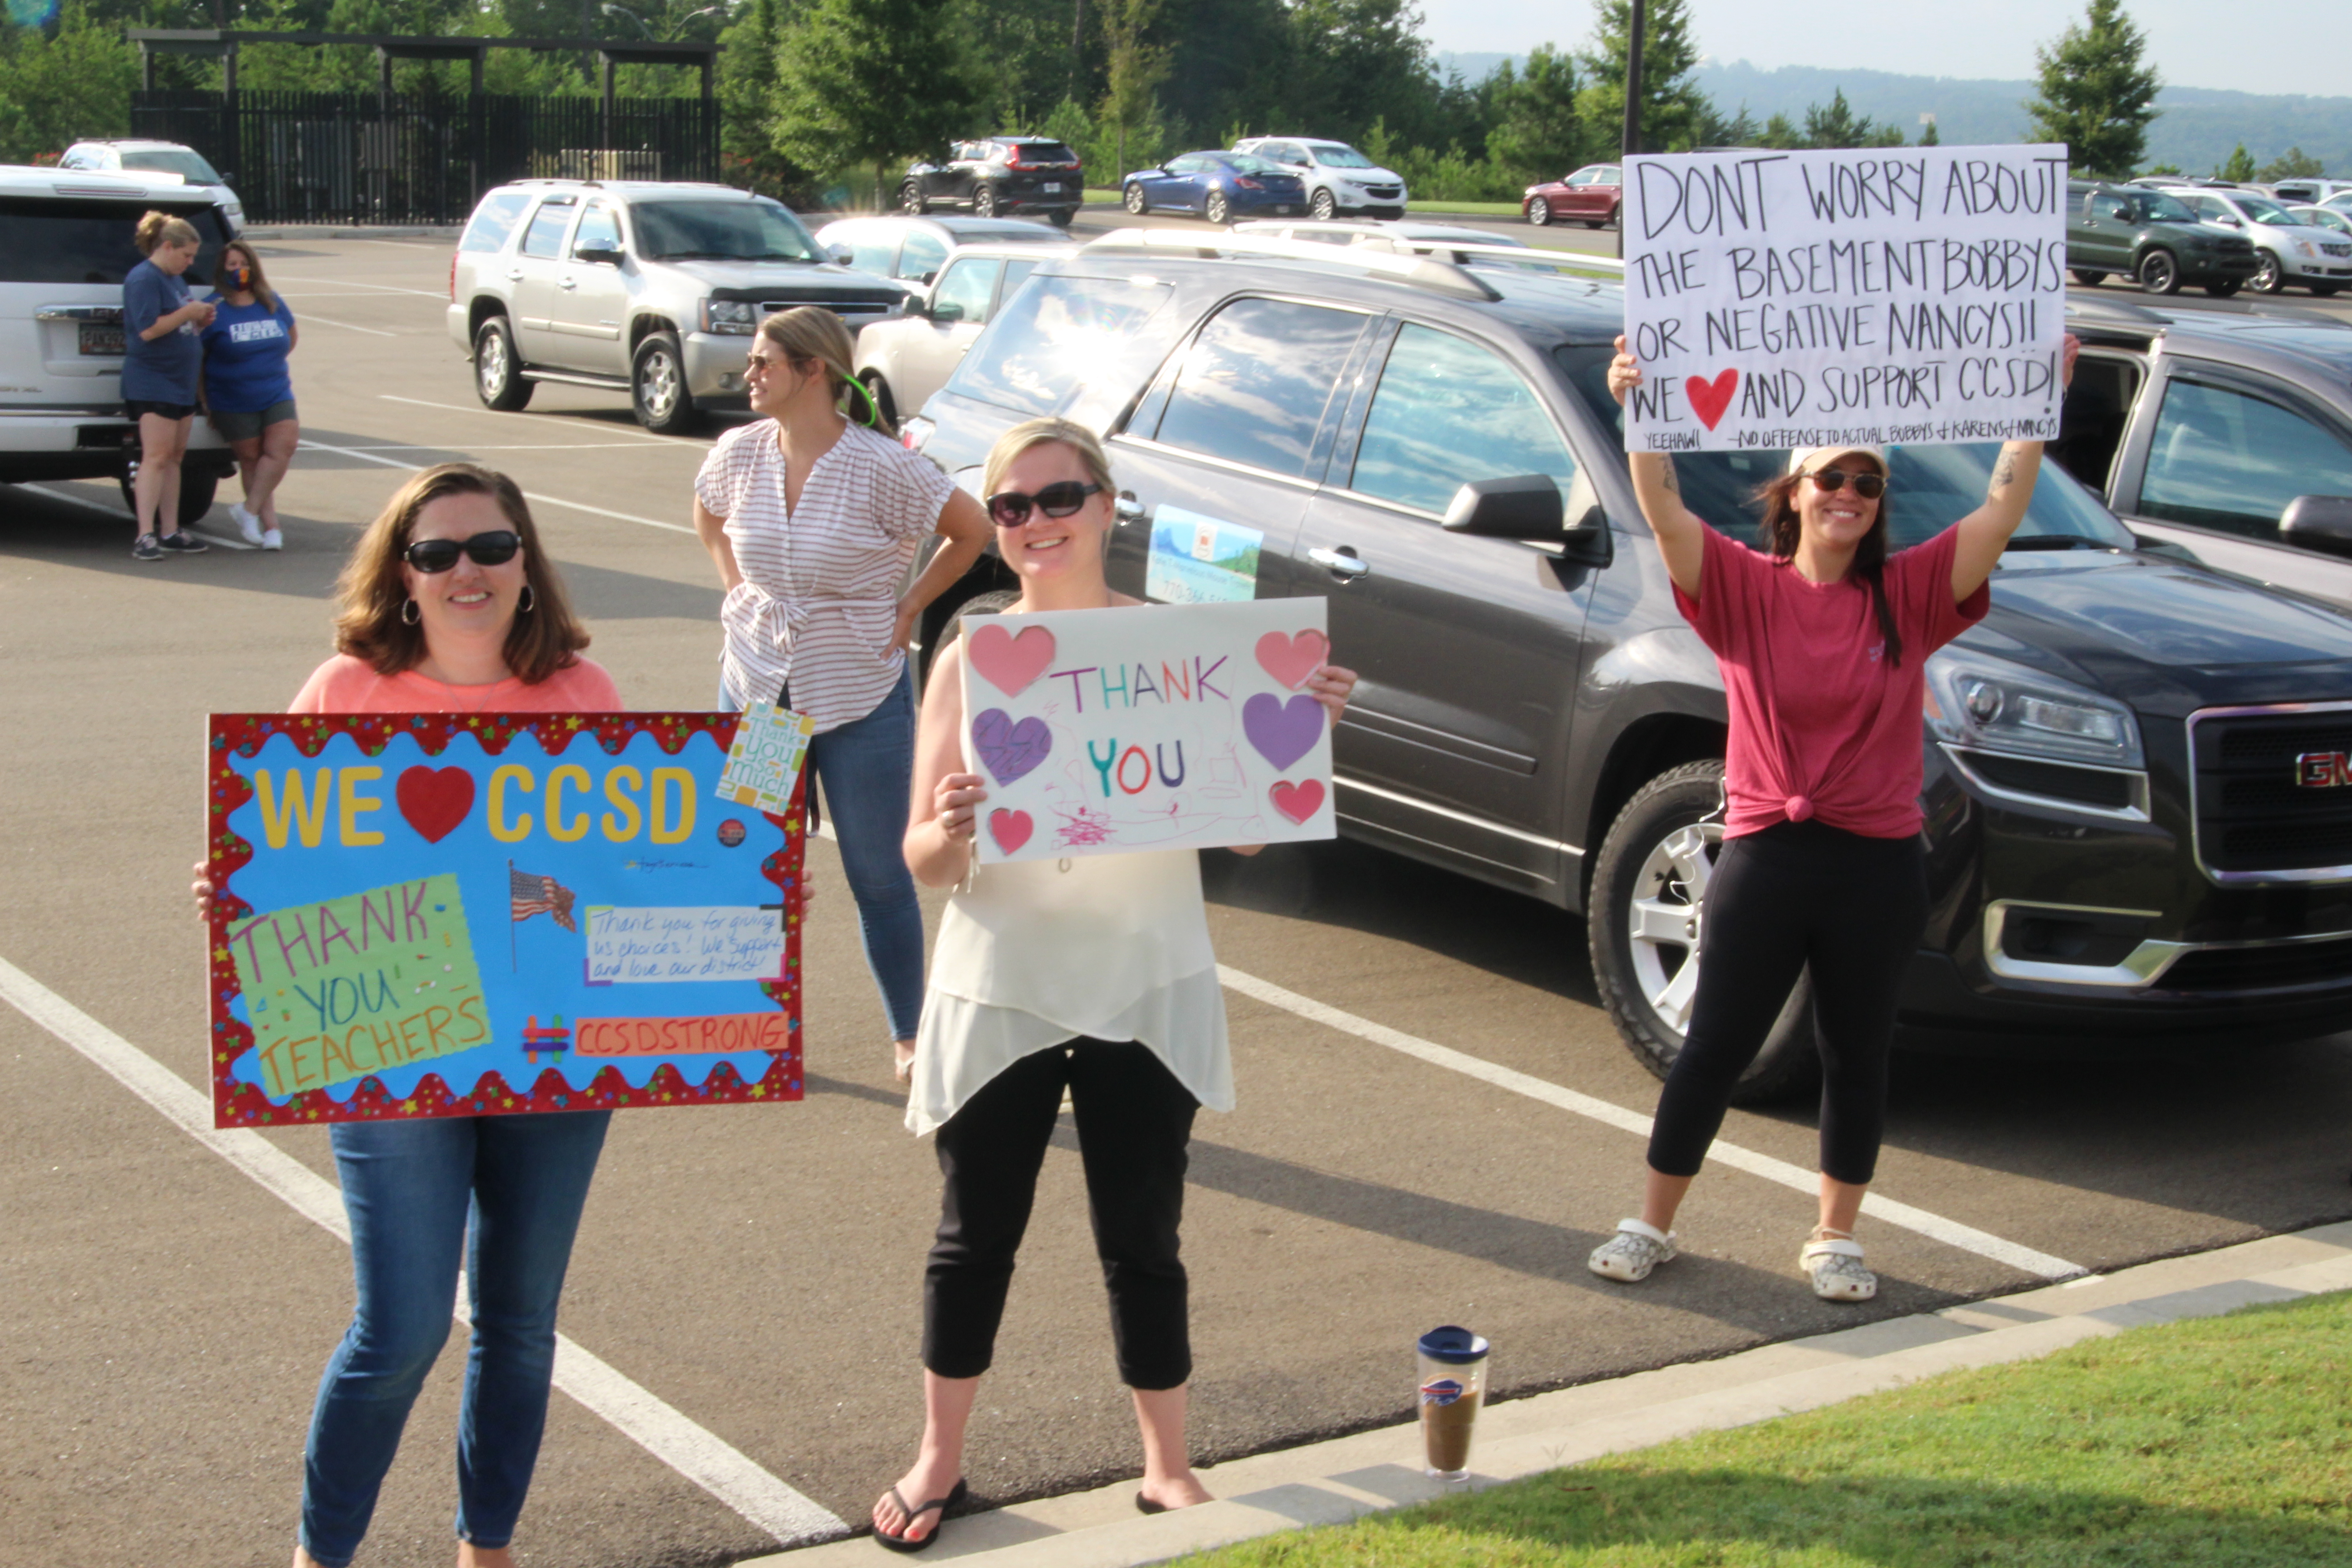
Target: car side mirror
1525	507
603	255
841	255
946	310
228	177
2318	523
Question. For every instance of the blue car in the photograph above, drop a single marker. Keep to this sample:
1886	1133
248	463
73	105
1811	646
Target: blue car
1216	186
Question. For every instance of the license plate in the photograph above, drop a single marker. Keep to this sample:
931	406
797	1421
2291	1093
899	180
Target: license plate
1052	187
97	338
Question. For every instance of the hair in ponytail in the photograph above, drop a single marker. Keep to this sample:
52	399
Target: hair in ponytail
1782	527
160	229
812	333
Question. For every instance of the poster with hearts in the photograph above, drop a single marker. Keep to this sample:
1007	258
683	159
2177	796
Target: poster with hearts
422	915
1880	296
1148	727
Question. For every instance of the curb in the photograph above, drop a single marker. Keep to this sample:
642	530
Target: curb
1370	1472
349	231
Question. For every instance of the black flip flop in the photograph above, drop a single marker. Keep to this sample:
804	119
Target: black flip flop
1145	1505
900	1543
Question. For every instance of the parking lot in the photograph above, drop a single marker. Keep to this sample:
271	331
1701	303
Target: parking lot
1437	1122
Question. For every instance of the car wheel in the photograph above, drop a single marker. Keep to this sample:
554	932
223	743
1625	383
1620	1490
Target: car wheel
1644	923
1539	212
196	492
911	199
2224	288
498	369
2158	273
1061	217
1135	202
878	390
983	201
1323	207
1216	208
657	386
2269	277
2088	279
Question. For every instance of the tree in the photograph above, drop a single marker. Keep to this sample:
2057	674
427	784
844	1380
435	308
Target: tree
1781	133
2295	164
872	82
1928	136
1739	130
56	90
747	82
1836	124
1355	60
1536	135
1135	68
2239	167
1673	107
2097	94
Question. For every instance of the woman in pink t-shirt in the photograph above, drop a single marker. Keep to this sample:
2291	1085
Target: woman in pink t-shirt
1822	641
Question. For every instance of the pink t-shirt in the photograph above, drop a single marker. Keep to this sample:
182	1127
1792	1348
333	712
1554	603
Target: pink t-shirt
348	684
1820	725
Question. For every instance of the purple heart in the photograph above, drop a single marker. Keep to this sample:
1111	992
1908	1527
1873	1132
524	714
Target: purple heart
1010	750
1282	732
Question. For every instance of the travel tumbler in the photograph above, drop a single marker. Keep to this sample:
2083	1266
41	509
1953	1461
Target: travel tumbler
1453	1386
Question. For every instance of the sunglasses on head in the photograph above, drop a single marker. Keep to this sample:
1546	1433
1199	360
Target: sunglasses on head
495	548
1869	487
1010	508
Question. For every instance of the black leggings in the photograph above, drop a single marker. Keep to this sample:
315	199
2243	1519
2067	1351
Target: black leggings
1798	893
1134	1120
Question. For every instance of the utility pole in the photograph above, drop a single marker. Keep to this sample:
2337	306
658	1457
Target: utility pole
1633	139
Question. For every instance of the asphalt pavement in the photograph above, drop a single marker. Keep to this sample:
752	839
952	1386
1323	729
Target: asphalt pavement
1436	1121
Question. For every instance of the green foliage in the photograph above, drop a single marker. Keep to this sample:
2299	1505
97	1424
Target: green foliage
2295	164
56	90
1354	61
747	86
1780	134
1836	124
2174	169
1133	68
1927	136
1031	64
1673	107
872	83
1537	134
2097	94
2239	166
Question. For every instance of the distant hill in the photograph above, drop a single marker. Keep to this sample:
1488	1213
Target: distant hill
2196	131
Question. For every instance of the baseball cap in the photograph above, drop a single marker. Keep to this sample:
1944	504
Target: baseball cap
1805	459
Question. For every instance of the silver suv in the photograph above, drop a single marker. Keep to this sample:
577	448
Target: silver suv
649	288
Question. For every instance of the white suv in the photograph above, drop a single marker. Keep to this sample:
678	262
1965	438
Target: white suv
152	158
1337	178
903	360
61	270
2289	251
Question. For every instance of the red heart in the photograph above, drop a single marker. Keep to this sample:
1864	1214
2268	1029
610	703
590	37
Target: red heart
1299	801
1011	829
1708	399
434	802
1291	659
1011	662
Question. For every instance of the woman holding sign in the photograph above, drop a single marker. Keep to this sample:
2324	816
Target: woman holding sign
813	522
1092	976
449	606
1822	640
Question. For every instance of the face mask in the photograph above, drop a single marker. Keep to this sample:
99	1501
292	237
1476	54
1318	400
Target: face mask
241	278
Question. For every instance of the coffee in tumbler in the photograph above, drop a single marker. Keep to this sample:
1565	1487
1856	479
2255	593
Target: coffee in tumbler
1453	1386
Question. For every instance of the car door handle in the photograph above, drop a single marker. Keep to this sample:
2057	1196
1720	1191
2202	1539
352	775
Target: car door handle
566	283
515	276
1129	509
1344	563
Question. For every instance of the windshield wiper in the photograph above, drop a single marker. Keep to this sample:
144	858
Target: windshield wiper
725	256
2055	541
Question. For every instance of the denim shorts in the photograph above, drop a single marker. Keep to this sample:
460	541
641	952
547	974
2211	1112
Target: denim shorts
135	406
241	426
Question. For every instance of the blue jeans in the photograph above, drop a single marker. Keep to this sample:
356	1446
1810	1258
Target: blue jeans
867	770
410	1188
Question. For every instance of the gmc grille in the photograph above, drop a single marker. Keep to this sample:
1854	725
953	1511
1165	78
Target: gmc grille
2255	822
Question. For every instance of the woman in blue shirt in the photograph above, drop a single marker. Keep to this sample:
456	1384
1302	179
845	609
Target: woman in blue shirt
160	360
248	395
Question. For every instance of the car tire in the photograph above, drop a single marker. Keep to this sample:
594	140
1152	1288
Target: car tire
878	389
1323	205
1640	965
2269	277
1136	205
197	491
1216	208
1538	211
498	369
658	392
912	198
1061	217
2158	273
2088	279
2224	288
983	201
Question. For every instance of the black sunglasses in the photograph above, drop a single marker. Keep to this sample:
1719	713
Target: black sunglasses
1869	487
495	548
1010	508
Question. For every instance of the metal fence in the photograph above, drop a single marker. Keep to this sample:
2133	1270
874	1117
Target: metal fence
406	158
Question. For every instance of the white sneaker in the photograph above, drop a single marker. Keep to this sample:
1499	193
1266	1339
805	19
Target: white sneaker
1836	1269
248	525
272	539
1633	1252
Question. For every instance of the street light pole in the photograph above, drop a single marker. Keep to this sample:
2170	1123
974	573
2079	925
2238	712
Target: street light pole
1633	138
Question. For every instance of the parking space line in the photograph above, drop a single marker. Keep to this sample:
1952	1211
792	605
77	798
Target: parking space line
556	418
366	456
101	507
349	326
440	294
1936	1226
698	1454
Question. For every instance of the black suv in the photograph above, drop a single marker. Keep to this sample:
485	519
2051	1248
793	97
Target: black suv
2128	836
1001	175
2154	239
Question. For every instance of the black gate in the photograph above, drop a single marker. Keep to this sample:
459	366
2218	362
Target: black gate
409	158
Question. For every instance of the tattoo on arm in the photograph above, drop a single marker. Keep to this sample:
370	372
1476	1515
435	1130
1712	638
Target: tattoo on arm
2005	471
1666	477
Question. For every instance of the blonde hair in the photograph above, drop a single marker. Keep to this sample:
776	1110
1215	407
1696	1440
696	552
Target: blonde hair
160	229
1038	432
812	333
261	290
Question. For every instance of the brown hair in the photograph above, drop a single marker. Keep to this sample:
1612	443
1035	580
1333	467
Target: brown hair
812	332
370	593
158	228
1781	529
1037	433
261	290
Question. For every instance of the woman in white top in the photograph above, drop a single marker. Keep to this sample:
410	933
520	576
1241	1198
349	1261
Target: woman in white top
1091	975
815	521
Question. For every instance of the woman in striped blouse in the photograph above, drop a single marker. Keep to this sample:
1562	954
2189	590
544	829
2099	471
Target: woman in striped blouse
814	521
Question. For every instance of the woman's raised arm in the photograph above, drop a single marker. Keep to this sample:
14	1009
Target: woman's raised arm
1682	537
1984	533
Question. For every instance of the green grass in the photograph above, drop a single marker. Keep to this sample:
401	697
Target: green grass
2216	1442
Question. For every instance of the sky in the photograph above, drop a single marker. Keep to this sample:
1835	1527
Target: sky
2283	46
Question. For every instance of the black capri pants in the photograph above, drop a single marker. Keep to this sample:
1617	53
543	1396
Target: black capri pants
1795	894
1134	1120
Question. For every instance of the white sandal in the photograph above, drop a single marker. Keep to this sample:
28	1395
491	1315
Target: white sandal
1633	1252
1834	1264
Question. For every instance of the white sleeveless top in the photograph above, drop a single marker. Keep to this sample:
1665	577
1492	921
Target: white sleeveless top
1029	956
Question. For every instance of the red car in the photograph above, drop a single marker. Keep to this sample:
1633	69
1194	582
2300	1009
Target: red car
1591	196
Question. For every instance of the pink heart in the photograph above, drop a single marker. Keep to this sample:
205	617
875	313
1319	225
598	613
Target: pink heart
1011	829
1291	659
1708	399
1299	801
435	801
1011	662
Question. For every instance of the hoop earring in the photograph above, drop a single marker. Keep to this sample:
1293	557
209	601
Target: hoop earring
523	605
409	613
872	420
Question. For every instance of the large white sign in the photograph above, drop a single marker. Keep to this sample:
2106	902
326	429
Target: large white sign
1152	727
1880	296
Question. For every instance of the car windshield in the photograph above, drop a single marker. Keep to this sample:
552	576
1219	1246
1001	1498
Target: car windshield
721	231
2262	209
2323	218
2162	208
1332	155
1930	489
189	165
1247	163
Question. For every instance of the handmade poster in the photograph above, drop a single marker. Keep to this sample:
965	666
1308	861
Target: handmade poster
1881	297
765	762
1198	560
424	915
1156	727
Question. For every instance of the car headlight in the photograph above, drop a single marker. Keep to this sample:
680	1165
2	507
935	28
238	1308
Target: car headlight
2304	247
1974	699
733	318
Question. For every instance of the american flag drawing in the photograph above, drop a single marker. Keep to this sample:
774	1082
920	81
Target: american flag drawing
540	896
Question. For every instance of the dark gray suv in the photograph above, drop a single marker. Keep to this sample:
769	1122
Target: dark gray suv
2124	837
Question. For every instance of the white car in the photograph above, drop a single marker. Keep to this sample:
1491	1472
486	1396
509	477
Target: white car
2289	252
2310	192
61	274
904	360
1337	178
158	158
